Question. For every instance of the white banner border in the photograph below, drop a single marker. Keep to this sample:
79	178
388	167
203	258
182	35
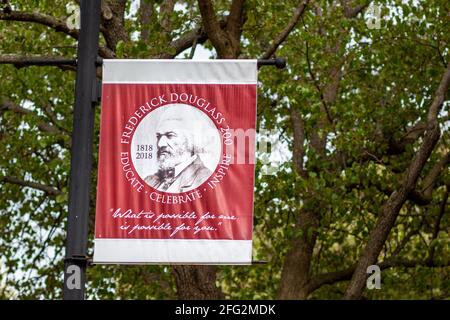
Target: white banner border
172	251
178	71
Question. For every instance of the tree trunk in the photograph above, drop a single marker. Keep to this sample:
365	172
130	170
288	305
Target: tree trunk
196	283
296	268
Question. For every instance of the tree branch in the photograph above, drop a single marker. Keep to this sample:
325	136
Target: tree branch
53	118
316	84
406	239
42	125
51	191
209	19
352	12
414	196
166	10
437	223
185	41
212	27
298	127
226	42
145	15
346	274
430	180
281	37
235	19
20	61
55	225
40	18
410	136
51	22
113	22
439	97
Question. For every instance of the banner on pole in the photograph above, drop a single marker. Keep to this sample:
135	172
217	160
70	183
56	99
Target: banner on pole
176	162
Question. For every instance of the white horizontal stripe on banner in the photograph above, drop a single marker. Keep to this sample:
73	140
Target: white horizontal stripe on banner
180	71
172	251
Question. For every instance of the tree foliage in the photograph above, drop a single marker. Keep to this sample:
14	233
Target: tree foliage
361	111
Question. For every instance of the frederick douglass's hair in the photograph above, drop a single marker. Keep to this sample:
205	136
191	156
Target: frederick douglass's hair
191	122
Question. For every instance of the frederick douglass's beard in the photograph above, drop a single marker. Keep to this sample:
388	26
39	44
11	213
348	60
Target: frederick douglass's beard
168	158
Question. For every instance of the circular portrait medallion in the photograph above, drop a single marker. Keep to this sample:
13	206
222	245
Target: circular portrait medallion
176	148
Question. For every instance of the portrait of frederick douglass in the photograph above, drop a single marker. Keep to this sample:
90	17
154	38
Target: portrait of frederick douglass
179	135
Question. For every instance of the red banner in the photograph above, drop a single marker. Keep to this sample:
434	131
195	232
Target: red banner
171	188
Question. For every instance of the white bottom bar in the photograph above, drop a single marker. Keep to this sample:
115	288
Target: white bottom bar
172	251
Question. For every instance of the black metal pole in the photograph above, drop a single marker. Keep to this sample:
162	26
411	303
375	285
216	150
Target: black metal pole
280	63
81	161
